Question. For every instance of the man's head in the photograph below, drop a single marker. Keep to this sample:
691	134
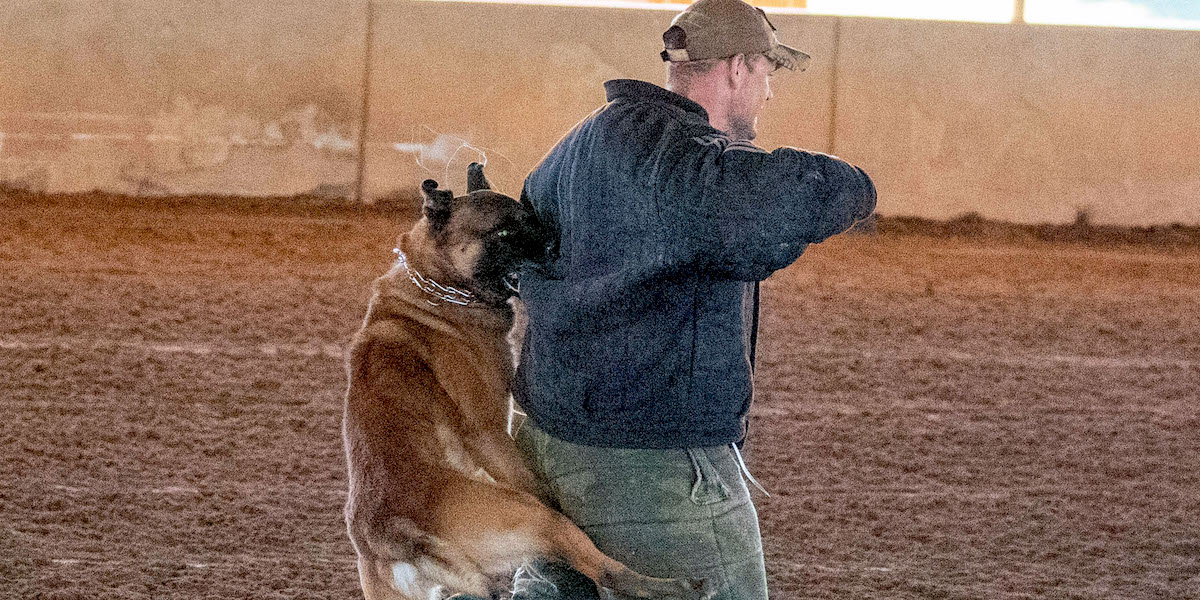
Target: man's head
721	53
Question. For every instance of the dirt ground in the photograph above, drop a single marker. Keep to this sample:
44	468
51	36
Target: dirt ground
937	417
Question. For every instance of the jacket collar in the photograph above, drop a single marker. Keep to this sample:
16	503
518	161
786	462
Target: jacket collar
641	90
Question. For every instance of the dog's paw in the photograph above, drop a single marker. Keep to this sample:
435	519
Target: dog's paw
630	583
684	588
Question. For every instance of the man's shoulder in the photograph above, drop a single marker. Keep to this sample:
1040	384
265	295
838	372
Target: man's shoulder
648	98
627	122
639	119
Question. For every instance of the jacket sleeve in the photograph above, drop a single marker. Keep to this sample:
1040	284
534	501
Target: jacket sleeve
738	211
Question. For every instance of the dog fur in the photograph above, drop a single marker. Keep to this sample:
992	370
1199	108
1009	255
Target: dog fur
440	500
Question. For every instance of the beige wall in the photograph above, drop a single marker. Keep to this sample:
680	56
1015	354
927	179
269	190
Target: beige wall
514	79
1028	123
232	96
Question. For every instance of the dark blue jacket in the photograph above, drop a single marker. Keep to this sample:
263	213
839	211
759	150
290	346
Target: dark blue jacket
638	331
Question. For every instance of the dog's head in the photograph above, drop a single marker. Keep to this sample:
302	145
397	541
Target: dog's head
481	239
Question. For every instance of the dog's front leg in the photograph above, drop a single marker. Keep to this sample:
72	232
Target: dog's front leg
500	457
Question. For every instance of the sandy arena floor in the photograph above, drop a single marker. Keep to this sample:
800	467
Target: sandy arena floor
937	418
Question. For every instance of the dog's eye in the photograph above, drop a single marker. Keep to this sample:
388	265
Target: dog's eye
503	233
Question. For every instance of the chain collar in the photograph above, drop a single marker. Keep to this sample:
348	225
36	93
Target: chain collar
442	293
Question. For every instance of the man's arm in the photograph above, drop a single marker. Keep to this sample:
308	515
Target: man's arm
743	212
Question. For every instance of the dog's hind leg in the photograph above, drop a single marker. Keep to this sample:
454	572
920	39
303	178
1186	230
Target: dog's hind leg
383	580
574	546
375	585
500	528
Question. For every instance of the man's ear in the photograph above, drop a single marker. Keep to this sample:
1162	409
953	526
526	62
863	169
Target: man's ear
437	204
737	70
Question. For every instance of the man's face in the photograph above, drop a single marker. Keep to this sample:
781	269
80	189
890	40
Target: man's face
749	96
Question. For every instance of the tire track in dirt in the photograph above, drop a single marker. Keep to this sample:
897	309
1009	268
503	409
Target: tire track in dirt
240	560
1119	256
931	413
237	561
335	351
315	348
976	494
176	490
834	569
1008	360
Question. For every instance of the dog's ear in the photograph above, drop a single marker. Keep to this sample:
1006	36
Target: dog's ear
437	203
475	179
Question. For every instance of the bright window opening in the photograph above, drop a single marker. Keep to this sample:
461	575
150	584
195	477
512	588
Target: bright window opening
991	11
1159	14
1162	14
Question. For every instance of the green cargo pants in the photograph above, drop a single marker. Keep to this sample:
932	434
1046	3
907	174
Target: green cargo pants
666	513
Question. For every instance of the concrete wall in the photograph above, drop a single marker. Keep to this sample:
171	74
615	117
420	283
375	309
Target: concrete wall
179	96
512	80
1027	123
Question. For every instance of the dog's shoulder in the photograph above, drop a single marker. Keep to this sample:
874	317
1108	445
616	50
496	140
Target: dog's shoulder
391	320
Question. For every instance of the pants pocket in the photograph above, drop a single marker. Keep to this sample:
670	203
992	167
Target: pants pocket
707	486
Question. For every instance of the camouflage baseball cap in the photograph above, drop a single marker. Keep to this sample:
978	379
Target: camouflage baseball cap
724	28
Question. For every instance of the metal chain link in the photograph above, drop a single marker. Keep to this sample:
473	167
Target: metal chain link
444	293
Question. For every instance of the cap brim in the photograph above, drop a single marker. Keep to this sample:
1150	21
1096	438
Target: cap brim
788	58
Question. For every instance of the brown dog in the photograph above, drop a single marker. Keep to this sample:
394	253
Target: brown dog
440	499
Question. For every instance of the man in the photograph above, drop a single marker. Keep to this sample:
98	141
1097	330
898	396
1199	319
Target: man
635	371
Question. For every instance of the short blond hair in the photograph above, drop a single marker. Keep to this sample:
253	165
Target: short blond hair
681	75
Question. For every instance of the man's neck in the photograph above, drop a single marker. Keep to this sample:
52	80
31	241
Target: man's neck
714	101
